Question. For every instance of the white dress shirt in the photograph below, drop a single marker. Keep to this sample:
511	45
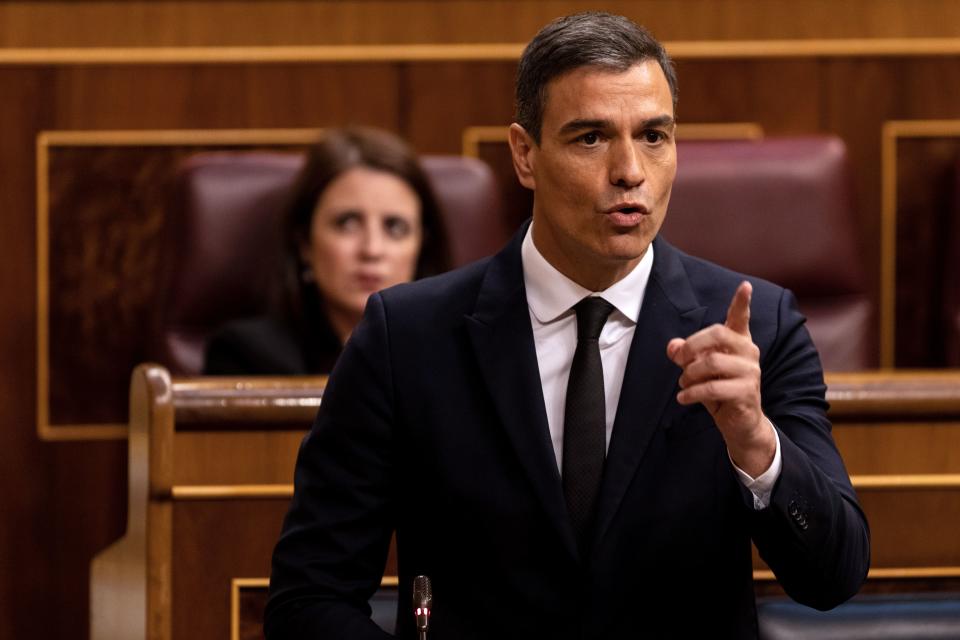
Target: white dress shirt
550	298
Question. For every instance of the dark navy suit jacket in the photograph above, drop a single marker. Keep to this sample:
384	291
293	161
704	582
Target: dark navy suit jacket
433	425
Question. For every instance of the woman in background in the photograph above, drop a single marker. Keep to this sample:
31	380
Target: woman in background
362	217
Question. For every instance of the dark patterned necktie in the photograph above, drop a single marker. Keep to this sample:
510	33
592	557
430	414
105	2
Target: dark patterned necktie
585	422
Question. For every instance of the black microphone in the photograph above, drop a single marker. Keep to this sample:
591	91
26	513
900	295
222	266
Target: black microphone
422	604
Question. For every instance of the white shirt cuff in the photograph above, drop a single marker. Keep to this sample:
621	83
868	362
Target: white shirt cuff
762	486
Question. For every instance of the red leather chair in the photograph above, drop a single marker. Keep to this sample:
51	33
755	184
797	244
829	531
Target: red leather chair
782	209
951	282
224	221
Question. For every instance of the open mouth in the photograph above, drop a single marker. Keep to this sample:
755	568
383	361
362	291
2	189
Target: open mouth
628	208
626	215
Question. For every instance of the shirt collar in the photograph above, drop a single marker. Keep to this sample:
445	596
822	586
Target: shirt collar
550	294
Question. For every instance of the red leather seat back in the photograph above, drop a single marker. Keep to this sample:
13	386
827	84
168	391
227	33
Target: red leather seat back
470	200
782	209
223	229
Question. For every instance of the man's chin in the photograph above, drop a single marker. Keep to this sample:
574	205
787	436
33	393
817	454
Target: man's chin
624	248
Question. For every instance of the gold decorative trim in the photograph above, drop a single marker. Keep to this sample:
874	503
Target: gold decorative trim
473	137
231	491
680	50
719	131
43	288
390	582
261	54
824	48
81	432
146	137
176	137
885	573
878	482
235	586
891	132
893	482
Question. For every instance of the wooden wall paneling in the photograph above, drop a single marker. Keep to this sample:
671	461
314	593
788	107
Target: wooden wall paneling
925	187
857	96
248	602
899	89
860	96
444	98
224	96
261	22
27	485
713	90
219	96
782	95
899	519
928	91
215	542
106	211
85	512
899	447
236	457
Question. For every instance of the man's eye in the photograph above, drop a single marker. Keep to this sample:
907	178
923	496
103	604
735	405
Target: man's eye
590	139
652	137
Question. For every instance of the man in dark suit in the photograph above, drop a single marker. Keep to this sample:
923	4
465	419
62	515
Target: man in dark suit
580	436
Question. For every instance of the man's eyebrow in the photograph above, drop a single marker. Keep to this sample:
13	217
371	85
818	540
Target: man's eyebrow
659	121
580	124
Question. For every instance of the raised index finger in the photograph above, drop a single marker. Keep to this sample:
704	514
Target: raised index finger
738	314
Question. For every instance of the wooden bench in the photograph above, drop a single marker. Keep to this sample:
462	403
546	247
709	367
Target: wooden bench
210	465
899	434
211	462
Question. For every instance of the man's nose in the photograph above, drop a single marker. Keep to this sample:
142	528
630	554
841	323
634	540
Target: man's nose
626	165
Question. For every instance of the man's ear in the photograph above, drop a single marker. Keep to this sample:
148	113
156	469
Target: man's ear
523	149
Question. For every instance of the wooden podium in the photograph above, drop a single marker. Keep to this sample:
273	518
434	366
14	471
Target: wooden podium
211	463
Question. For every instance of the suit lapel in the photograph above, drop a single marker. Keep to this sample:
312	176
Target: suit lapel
670	309
502	338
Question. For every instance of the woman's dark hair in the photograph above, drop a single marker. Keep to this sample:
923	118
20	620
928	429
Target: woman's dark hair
337	151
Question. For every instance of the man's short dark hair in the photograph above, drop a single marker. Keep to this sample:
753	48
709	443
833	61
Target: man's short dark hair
585	39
